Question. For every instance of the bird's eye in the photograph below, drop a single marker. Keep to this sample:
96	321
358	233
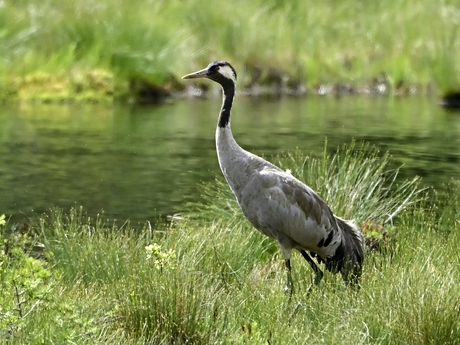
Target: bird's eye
217	68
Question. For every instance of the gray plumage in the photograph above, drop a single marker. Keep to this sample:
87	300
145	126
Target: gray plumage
279	205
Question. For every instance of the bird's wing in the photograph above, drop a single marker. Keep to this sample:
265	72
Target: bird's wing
285	208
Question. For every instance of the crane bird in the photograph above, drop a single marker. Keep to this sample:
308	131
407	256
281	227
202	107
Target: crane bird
279	205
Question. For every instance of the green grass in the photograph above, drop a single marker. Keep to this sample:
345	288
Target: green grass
208	277
61	50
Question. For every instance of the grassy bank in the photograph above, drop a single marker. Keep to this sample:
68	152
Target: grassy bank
105	50
209	278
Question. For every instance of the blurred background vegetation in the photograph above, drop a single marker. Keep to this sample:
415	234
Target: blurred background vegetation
112	49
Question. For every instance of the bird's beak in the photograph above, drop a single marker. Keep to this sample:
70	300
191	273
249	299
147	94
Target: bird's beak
200	74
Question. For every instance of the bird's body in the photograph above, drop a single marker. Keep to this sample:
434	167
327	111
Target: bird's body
276	203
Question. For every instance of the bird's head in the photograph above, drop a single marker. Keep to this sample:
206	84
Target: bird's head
218	71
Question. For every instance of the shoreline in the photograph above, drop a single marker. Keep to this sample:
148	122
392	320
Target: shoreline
102	87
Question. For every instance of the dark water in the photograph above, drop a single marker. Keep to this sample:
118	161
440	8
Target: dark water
138	163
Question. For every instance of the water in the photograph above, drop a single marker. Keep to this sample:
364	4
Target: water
140	162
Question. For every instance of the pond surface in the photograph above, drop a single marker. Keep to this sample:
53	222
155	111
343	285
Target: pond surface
141	162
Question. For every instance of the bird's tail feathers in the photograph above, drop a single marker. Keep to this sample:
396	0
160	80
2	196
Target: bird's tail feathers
349	256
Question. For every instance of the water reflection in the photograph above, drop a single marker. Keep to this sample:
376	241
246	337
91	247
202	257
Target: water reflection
138	163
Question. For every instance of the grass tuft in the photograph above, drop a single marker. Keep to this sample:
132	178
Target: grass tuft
357	181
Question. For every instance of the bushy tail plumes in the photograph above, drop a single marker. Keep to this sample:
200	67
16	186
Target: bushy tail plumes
349	256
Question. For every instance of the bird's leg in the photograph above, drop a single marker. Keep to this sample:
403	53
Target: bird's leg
289	285
318	273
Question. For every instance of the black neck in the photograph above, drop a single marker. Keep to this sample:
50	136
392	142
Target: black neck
228	94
